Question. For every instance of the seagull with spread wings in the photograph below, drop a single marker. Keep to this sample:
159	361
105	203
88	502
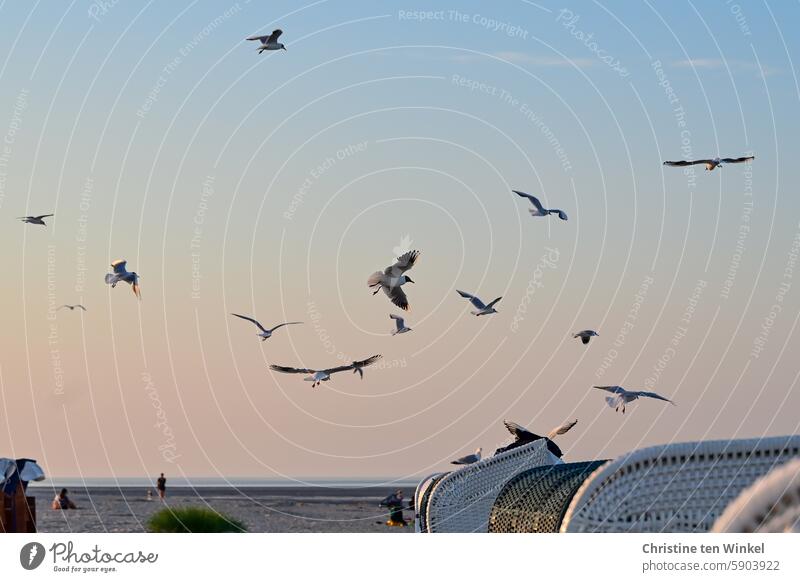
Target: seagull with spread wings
71	307
482	309
522	436
318	376
121	274
269	42
35	219
623	397
469	459
265	333
393	278
401	324
585	335
538	209
712	163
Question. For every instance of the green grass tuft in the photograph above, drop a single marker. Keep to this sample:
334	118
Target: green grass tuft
193	520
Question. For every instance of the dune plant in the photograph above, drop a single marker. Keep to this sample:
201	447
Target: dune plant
193	520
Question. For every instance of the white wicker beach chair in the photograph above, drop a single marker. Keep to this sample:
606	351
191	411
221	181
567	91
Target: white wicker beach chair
680	487
421	501
770	505
461	501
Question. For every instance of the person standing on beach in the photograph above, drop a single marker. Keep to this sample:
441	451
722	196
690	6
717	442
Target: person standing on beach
161	485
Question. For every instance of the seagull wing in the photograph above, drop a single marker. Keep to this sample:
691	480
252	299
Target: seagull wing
399	320
688	162
41	216
81	306
274	36
613	389
403	264
467	460
563	429
136	290
654	395
397	296
263	39
472	299
520	433
585	338
492	304
290	370
368	362
737	160
534	200
261	327
119	266
282	324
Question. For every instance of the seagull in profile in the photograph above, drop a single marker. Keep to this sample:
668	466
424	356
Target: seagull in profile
711	164
401	324
35	219
393	278
318	376
623	397
269	42
265	333
585	335
121	274
479	305
469	459
538	209
522	436
71	307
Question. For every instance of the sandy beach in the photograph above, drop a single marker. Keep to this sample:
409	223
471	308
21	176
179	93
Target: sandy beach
261	509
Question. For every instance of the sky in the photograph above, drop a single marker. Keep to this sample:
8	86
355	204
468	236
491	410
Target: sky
273	184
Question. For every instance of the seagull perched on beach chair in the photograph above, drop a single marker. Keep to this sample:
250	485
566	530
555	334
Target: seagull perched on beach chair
318	376
265	333
269	42
623	397
538	209
522	436
35	219
479	305
121	274
712	163
469	459
393	278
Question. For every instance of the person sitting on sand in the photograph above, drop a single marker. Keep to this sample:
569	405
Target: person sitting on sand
395	504
61	501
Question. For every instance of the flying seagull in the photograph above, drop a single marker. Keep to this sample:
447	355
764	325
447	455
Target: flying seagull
481	308
469	459
538	209
120	274
393	278
401	324
318	376
710	164
71	307
265	333
522	436
585	335
35	219
269	42
624	396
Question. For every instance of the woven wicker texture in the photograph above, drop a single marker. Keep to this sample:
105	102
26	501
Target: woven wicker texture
770	505
462	500
536	500
680	487
421	499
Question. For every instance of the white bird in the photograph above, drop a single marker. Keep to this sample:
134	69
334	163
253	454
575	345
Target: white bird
712	163
623	397
71	307
121	274
479	305
401	324
538	209
469	459
35	219
265	333
269	42
585	335
318	376
393	278
522	436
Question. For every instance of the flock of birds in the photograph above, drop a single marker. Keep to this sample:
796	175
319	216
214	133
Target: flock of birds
391	281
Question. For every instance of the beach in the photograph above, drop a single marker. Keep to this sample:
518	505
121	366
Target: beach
274	509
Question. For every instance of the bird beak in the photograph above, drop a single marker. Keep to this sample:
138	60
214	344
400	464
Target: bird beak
408	280
284	48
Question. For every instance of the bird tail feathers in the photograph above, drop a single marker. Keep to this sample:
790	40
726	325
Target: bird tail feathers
375	279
